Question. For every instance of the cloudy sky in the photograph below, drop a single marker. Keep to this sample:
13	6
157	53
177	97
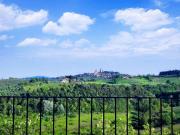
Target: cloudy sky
76	36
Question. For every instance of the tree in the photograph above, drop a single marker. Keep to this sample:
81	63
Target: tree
140	113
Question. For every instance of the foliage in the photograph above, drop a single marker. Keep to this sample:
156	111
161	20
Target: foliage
136	86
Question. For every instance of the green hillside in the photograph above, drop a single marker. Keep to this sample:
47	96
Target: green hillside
118	86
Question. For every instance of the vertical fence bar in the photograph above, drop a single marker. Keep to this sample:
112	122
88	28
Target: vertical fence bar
127	111
91	116
53	115
150	116
41	100
27	115
115	109
138	118
161	116
103	117
172	131
66	115
13	113
79	113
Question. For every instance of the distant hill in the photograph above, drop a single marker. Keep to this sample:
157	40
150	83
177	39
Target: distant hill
43	78
38	77
100	75
96	75
170	73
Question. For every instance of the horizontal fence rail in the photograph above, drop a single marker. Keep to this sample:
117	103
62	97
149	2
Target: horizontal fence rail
91	100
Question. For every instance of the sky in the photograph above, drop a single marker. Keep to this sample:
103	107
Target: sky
63	37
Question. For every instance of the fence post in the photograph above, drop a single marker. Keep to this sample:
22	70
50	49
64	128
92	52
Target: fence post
79	112
27	113
13	115
66	115
138	118
41	109
91	116
172	131
103	117
53	115
149	115
115	109
161	116
127	111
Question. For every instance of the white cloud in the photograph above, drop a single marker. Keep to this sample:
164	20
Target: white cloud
124	44
81	43
151	32
158	38
5	37
69	23
148	42
12	17
156	42
36	42
142	19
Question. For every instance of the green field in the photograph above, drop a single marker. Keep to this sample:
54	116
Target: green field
85	125
60	123
140	80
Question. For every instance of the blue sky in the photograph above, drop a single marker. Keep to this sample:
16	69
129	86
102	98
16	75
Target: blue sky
75	36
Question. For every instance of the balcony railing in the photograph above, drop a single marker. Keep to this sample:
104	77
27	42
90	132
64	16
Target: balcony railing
102	101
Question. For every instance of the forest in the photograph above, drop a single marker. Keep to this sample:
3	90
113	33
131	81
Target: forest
157	87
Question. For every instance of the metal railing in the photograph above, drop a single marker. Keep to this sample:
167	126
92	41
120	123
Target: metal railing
79	99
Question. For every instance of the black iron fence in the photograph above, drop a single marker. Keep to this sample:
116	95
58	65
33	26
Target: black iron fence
170	100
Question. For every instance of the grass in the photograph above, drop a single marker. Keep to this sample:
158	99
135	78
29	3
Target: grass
97	82
135	80
85	125
45	86
177	112
139	80
60	124
164	79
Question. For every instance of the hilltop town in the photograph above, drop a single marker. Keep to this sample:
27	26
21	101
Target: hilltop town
97	74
